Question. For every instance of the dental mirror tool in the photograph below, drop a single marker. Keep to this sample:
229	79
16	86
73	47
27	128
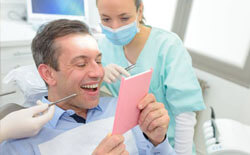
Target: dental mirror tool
63	99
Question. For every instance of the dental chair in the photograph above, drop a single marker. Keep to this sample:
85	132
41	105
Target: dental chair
8	108
226	137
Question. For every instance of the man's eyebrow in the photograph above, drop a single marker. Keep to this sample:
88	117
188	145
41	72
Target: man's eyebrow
83	57
99	55
78	57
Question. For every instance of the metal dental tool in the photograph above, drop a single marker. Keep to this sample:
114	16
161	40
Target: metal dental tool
130	67
63	99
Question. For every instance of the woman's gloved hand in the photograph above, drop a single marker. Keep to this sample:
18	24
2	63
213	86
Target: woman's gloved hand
25	122
113	72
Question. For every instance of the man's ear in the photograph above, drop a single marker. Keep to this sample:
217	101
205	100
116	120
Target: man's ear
47	73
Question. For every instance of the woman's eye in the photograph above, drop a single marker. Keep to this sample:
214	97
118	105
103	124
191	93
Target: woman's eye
125	18
105	19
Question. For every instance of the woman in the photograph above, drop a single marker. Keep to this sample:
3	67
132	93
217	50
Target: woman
129	41
25	122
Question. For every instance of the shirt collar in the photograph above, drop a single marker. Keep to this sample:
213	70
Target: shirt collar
59	112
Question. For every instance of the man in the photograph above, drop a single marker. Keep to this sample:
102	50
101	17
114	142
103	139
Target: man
68	60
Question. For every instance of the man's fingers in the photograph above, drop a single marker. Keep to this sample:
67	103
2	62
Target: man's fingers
119	149
100	148
112	145
153	115
105	139
158	122
149	108
149	98
112	142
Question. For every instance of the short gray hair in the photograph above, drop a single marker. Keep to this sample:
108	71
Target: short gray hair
43	45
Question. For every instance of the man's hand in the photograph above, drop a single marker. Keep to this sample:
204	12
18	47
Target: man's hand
153	119
111	145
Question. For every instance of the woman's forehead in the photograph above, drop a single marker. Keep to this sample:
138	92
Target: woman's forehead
115	5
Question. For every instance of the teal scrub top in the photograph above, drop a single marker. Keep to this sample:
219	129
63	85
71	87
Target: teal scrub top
173	82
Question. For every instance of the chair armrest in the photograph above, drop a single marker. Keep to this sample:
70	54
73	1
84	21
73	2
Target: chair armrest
8	108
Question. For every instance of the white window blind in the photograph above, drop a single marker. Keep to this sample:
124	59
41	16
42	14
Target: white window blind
220	29
160	13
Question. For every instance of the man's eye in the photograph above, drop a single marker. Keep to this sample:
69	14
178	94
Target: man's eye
81	65
99	62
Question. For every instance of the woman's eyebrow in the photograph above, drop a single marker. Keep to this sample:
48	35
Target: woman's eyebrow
104	15
123	14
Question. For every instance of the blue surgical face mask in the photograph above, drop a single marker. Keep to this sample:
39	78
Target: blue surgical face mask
121	36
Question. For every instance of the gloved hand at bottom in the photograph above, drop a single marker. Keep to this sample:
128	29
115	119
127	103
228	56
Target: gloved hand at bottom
114	72
25	122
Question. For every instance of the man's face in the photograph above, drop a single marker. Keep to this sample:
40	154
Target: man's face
80	70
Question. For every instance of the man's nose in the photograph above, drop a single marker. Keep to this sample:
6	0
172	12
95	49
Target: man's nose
96	70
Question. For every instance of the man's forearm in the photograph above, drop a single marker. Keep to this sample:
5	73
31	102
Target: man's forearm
163	148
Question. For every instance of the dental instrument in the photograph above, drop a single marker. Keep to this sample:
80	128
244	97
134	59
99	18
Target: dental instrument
63	99
130	67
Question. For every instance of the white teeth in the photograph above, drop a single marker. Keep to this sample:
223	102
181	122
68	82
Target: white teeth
90	86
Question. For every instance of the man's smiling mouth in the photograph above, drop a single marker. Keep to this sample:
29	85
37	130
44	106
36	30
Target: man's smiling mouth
92	87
